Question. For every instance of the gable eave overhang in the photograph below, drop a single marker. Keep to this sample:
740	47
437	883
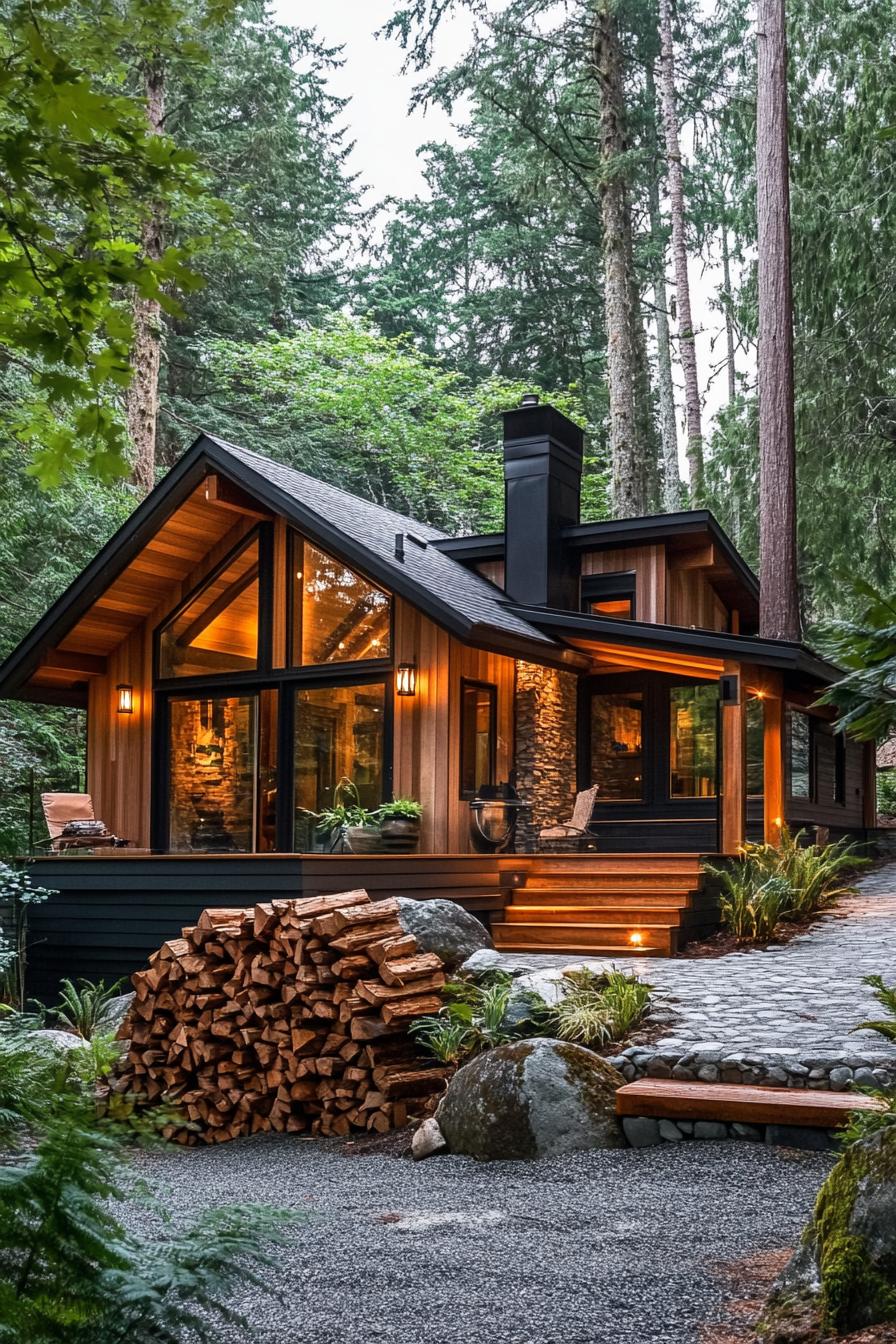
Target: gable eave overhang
202	457
781	655
103	569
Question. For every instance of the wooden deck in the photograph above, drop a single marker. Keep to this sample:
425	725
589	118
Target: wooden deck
113	908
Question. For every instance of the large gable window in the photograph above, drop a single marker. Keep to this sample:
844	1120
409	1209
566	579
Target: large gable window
336	615
216	630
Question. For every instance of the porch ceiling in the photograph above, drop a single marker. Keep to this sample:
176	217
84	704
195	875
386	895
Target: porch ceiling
622	658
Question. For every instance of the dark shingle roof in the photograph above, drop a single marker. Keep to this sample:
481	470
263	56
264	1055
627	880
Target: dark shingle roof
444	585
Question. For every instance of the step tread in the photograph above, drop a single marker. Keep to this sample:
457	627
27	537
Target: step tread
529	914
611	952
668	1099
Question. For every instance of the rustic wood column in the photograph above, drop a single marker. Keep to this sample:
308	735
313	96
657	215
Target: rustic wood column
774	774
734	767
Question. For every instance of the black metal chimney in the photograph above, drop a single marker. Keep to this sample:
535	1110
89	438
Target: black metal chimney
542	485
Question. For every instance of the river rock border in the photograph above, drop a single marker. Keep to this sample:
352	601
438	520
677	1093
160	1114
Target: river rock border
711	1063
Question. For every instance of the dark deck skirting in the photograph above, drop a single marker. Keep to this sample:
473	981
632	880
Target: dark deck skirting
110	913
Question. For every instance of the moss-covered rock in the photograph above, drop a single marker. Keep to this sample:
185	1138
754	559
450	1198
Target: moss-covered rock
843	1277
532	1098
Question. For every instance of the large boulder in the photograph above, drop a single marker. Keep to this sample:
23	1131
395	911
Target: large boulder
444	928
57	1042
533	1098
115	1012
843	1276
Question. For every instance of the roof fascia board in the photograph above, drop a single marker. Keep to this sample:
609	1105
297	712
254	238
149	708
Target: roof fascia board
780	654
105	567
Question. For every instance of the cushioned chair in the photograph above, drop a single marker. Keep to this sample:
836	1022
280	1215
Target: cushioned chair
575	832
62	808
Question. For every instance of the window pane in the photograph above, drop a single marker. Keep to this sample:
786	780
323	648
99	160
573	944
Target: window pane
616	755
341	618
213	772
478	733
339	734
218	631
755	746
799	754
692	741
618	607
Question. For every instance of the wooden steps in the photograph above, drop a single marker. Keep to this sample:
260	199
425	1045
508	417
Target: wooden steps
606	905
664	1099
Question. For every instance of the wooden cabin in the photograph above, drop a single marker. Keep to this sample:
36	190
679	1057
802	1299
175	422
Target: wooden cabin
252	635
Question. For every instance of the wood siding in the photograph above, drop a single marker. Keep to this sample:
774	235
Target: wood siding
649	566
426	763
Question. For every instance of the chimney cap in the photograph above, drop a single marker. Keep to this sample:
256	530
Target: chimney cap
529	399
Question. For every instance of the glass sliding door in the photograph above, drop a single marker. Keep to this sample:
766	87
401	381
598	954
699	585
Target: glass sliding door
212	774
339	733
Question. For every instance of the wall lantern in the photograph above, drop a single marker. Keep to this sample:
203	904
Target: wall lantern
125	693
406	680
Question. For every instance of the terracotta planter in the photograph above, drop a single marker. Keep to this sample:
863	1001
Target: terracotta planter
364	839
401	835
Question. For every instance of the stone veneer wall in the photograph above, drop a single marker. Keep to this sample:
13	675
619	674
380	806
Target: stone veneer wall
546	704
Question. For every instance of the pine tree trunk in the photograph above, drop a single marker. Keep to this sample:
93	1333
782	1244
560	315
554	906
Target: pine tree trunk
779	614
729	322
142	403
626	454
687	346
671	477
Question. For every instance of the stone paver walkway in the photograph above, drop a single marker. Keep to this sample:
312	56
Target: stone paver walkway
788	1010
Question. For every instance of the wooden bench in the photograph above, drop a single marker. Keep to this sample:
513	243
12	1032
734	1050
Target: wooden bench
670	1100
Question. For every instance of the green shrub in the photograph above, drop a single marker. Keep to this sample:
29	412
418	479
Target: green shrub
69	1269
599	1007
886	793
770	884
85	1006
864	1122
473	1019
18	893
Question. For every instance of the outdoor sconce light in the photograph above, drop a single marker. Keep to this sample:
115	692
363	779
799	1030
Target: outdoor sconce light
125	692
636	939
406	680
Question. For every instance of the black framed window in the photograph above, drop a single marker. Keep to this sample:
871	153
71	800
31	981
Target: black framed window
755	742
616	731
840	768
798	727
609	595
222	626
478	736
335	614
693	739
340	731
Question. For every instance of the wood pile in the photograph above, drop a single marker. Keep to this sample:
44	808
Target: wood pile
292	1016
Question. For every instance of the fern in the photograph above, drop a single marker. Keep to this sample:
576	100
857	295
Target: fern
69	1270
85	1006
886	997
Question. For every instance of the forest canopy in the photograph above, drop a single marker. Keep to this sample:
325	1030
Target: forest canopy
183	245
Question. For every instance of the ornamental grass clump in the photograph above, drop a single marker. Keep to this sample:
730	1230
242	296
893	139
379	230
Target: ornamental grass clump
771	885
599	1007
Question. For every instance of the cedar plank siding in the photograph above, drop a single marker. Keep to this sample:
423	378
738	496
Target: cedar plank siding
649	565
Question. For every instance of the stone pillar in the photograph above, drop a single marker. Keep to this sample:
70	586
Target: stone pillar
546	709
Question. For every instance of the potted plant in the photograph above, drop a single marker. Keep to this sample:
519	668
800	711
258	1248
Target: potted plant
348	825
400	824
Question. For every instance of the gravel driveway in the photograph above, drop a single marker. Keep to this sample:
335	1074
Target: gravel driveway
590	1248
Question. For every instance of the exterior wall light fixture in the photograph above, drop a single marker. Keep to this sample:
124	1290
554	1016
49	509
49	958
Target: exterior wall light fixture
125	692
406	679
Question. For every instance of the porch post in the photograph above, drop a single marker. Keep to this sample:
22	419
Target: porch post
774	773
734	767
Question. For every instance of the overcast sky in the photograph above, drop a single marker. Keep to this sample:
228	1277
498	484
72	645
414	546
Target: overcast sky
387	135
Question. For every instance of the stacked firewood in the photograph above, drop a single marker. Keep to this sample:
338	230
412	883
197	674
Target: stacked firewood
292	1016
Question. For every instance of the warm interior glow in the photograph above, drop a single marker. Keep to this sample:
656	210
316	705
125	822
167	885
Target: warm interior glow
125	698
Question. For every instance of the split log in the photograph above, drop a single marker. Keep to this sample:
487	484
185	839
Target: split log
289	1017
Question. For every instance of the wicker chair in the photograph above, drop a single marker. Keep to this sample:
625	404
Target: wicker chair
575	832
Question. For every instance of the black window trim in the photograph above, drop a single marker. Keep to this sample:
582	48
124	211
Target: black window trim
492	689
605	587
812	797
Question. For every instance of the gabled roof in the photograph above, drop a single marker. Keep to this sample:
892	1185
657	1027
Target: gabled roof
361	533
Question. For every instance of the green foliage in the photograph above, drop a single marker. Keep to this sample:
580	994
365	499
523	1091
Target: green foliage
473	1020
864	1123
886	997
599	1007
401	807
70	1268
866	648
371	414
17	894
85	1007
78	170
770	884
886	793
